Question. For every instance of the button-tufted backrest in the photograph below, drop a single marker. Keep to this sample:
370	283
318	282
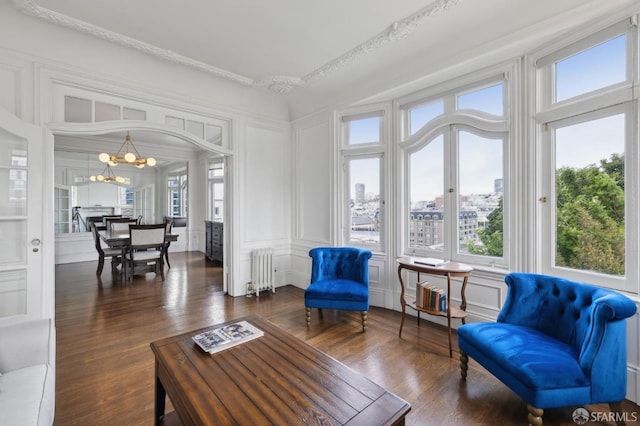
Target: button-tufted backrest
349	263
572	312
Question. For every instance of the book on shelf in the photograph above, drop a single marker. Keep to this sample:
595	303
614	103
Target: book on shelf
430	297
227	336
429	261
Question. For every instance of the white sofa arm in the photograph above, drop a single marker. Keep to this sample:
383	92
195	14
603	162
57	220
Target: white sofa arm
26	344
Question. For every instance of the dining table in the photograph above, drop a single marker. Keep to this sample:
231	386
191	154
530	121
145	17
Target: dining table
121	239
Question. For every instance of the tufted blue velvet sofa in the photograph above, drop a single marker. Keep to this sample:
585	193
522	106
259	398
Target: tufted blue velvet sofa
339	280
556	343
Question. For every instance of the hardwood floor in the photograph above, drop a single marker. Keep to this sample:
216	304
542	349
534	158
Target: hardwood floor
105	368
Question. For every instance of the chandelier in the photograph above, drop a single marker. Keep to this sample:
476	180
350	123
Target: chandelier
107	175
127	154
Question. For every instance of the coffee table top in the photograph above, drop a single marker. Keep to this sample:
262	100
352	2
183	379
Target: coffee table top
276	378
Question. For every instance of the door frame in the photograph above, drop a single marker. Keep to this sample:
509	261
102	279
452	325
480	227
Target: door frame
101	128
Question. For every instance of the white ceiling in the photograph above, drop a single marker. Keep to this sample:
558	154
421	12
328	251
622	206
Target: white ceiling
315	52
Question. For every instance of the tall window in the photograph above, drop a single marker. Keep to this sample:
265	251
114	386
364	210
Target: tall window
364	200
215	176
177	193
588	195
363	149
455	173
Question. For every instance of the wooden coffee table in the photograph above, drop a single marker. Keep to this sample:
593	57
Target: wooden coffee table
274	379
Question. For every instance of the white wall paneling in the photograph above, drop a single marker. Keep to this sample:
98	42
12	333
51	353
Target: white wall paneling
312	150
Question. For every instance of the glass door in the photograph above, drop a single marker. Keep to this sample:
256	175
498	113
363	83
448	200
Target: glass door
21	218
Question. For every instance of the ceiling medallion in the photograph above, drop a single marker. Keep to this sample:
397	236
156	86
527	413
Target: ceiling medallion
278	84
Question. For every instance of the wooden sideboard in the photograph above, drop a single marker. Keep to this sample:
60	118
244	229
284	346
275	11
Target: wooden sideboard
214	241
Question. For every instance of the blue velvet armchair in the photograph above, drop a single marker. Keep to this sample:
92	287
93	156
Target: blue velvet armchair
556	343
339	280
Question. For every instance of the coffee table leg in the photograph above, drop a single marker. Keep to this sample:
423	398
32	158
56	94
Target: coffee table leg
161	395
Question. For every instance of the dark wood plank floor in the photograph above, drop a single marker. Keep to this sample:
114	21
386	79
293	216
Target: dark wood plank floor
105	368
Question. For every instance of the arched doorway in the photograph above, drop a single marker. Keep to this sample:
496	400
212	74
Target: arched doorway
175	151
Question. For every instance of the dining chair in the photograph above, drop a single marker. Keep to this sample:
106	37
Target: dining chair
114	253
168	223
145	251
121	225
93	220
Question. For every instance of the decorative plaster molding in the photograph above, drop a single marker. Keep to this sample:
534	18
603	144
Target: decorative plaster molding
278	84
396	31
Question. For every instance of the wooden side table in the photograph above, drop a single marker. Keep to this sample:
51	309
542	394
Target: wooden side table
449	270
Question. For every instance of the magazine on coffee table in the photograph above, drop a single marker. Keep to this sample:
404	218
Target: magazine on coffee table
227	336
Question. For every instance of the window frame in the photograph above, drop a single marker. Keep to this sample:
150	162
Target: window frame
347	153
477	122
212	181
600	103
347	159
181	176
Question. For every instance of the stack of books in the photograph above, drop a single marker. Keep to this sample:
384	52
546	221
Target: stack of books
430	297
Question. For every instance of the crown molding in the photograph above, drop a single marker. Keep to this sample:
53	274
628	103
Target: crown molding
278	84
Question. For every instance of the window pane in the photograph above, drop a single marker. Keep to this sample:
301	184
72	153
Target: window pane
133	114
216	170
195	128
365	200
595	68
13	287
426	183
214	134
106	112
218	201
13	254
421	115
366	130
174	122
480	228
590	196
77	110
489	100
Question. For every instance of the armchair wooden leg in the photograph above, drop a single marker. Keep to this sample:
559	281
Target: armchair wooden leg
535	415
464	365
308	317
364	320
616	407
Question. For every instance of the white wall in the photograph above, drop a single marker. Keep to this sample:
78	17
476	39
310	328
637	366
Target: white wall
264	202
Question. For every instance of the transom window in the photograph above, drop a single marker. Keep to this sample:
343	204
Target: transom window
599	66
